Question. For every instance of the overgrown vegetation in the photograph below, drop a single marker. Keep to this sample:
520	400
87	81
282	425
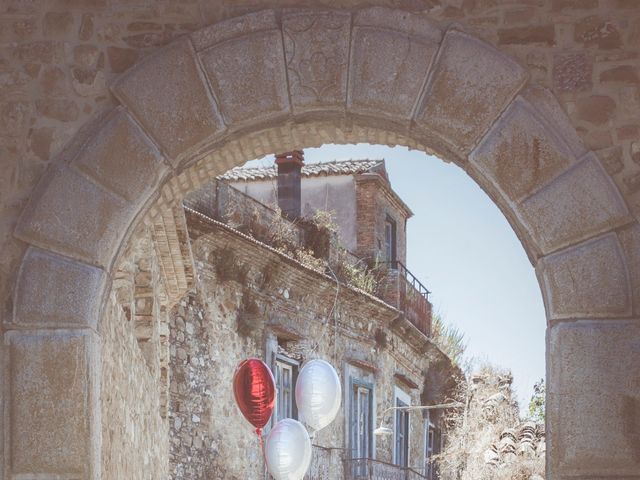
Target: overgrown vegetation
314	241
228	266
449	339
537	402
487	440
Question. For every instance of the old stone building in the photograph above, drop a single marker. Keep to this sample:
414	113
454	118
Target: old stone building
253	298
112	111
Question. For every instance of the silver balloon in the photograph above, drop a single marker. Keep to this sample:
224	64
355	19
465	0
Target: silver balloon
318	394
287	450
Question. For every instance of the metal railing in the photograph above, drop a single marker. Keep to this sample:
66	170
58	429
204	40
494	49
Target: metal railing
395	284
326	463
370	469
409	295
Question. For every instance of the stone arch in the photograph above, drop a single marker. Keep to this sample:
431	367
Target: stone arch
275	80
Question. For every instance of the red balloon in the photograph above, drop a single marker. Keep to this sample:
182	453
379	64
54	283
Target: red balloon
255	392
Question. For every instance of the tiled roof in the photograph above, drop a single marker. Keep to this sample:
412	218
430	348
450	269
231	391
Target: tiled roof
526	440
343	167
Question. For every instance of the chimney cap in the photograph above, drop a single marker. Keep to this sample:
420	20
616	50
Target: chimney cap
295	157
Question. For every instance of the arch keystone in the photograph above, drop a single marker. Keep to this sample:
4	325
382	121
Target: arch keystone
178	111
391	52
471	84
589	280
316	47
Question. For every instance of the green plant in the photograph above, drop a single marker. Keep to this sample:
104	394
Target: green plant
228	266
448	339
537	402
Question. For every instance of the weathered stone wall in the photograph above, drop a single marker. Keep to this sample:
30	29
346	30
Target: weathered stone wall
134	434
134	383
57	58
528	162
236	311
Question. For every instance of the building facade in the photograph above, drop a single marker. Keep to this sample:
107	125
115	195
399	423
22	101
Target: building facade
254	299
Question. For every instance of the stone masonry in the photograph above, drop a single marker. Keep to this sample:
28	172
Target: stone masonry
235	314
537	100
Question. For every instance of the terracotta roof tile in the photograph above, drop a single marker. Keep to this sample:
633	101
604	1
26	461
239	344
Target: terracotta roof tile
343	167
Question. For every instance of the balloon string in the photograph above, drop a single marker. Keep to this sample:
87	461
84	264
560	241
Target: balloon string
261	441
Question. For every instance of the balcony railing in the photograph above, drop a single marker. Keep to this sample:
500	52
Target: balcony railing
403	290
326	463
395	285
369	469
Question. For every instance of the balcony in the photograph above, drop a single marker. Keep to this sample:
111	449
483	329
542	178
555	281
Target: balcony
329	464
405	292
369	469
393	282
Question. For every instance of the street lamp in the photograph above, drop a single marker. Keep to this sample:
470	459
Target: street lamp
382	430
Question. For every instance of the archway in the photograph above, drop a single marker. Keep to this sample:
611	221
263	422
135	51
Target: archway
277	80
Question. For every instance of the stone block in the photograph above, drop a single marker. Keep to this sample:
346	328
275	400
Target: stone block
589	280
317	54
73	216
528	35
389	62
58	109
622	74
233	28
578	204
57	24
248	76
471	84
54	291
593	399
595	109
630	241
121	59
572	72
178	111
122	158
52	404
520	153
597	31
547	105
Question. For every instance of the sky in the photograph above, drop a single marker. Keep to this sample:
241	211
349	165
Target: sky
461	247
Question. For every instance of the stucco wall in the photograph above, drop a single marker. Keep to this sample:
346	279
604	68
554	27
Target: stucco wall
335	194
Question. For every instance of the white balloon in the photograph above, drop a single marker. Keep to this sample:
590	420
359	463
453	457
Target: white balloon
288	450
318	394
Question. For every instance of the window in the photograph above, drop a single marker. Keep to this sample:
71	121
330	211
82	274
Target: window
390	241
401	429
429	449
286	373
361	419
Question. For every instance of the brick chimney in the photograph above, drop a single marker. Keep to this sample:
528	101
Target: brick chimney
289	179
